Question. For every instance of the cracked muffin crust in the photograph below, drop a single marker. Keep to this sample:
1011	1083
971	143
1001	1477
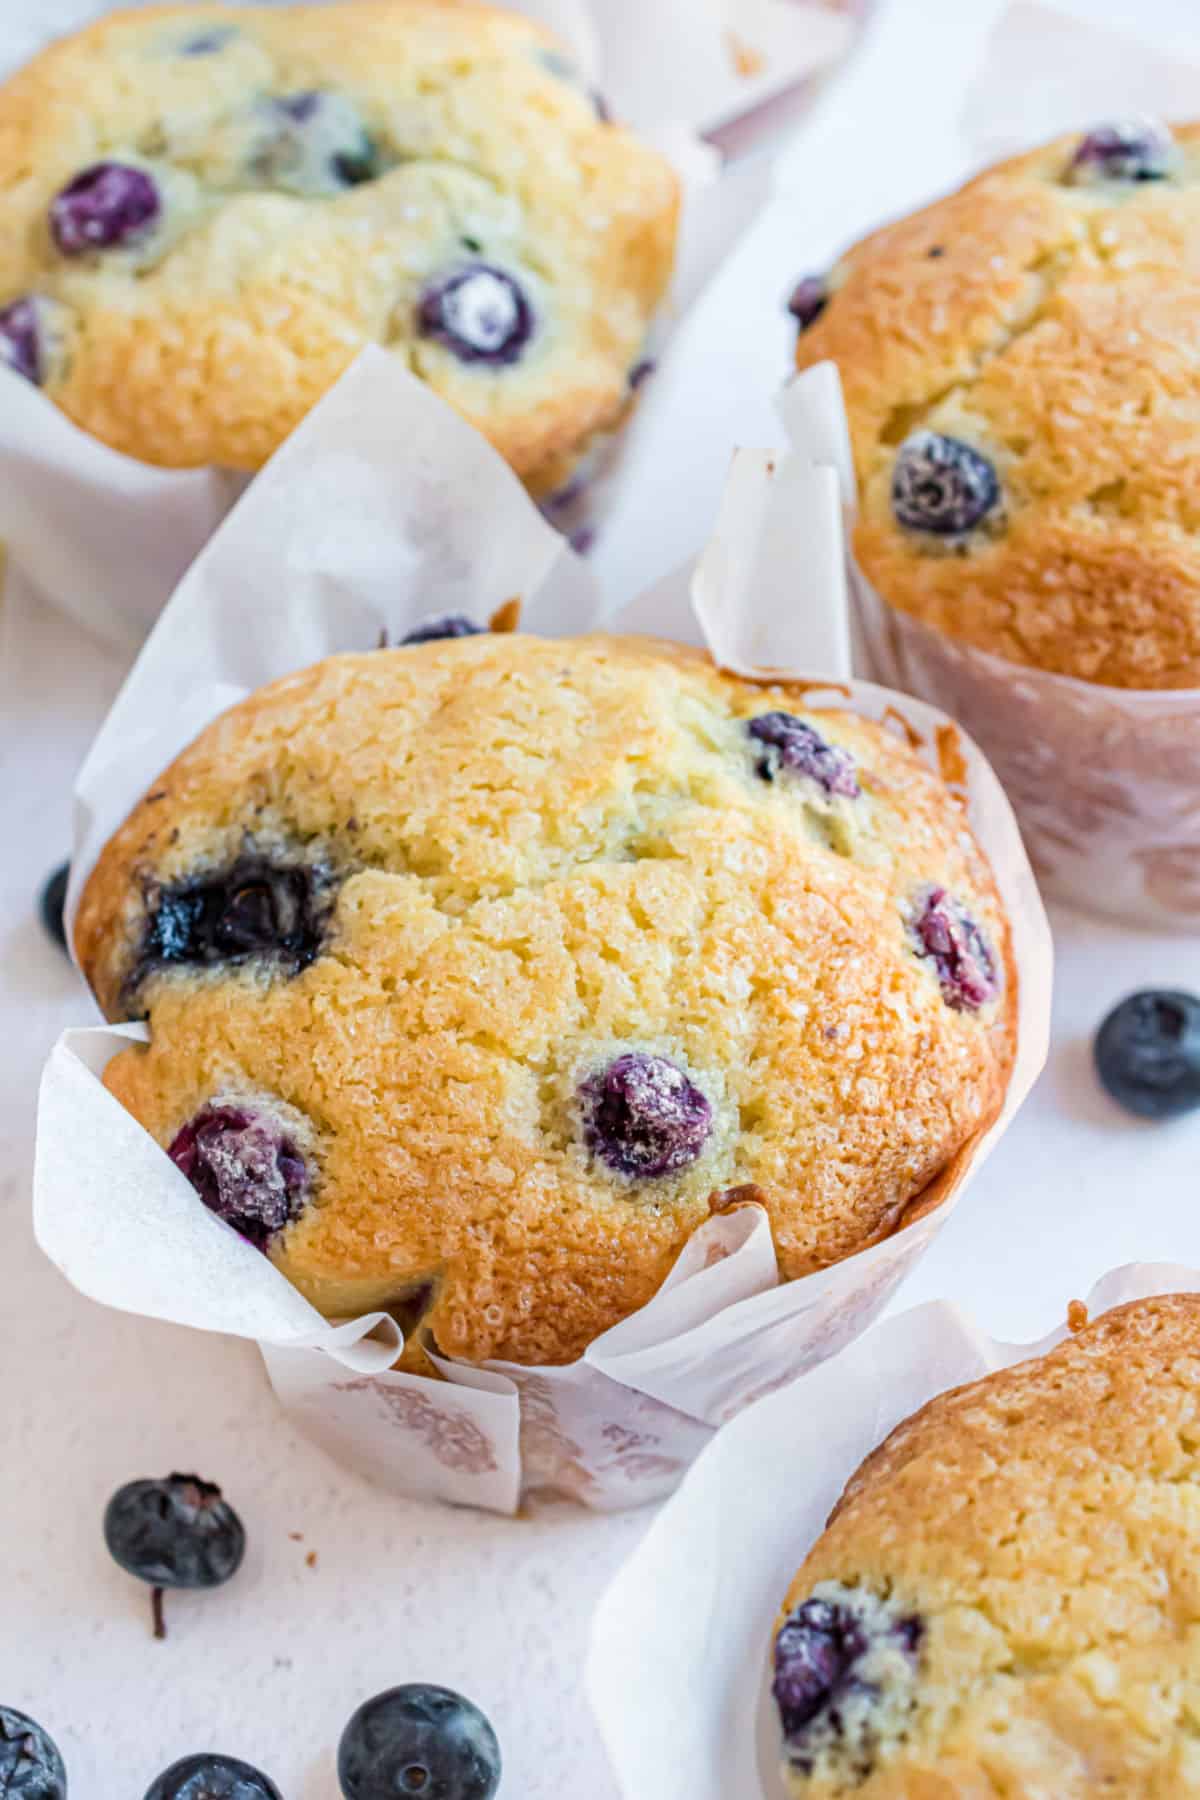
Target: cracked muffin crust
207	211
480	970
1020	368
1005	1600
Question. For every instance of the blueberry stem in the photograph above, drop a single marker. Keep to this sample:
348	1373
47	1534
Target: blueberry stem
157	1613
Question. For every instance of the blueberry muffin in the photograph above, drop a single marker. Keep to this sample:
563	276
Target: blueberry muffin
207	211
1006	1599
1021	365
481	970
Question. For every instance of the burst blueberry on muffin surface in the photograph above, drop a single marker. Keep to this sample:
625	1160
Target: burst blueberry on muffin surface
223	205
1002	1601
480	970
1019	364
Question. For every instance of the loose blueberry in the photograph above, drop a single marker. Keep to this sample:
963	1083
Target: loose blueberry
792	747
245	1168
418	1740
808	300
21	345
1124	150
945	933
212	1778
30	1765
314	142
254	909
50	905
480	313
443	625
174	1533
643	1117
107	205
941	485
1148	1053
833	1657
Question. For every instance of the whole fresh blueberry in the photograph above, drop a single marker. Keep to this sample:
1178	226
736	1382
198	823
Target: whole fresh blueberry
178	1532
643	1117
53	899
1122	150
314	142
790	746
808	300
443	625
1148	1053
418	1740
245	1168
107	205
209	1777
941	485
21	344
480	313
256	908
174	1533
944	932
838	1649
31	1767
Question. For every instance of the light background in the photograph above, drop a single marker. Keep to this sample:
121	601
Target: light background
271	1668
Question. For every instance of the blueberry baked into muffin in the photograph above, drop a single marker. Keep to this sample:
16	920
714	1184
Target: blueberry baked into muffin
1005	1600
481	970
206	212
1021	366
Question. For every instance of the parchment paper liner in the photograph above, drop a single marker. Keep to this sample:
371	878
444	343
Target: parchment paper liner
382	507
1105	781
107	538
689	1616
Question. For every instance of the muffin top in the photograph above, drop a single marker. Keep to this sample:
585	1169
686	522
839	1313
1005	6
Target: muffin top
480	971
1021	364
1006	1598
207	211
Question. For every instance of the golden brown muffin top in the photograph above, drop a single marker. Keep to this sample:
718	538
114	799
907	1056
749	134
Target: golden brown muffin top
1046	317
522	953
207	211
1014	1572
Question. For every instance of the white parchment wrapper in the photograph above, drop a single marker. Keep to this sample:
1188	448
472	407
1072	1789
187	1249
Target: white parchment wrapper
1105	781
106	537
690	1617
381	508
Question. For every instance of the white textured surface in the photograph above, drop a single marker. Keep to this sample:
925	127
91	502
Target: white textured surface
272	1667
